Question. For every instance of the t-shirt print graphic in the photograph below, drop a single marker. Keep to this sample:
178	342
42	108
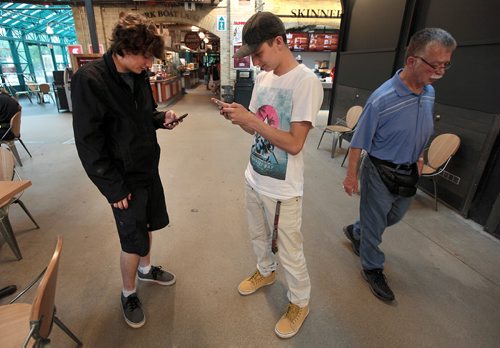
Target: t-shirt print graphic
266	159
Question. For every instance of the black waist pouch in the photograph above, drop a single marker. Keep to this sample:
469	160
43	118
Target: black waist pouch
398	181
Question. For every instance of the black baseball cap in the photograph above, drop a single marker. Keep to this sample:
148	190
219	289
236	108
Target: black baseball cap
261	27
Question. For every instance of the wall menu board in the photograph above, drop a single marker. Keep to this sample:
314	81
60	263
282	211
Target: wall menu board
323	42
314	42
298	41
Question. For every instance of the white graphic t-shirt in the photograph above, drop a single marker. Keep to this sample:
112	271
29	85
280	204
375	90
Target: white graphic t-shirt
279	100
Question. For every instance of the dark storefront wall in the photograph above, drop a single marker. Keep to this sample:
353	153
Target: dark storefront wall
373	40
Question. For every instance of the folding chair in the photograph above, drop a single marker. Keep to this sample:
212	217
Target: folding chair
342	127
439	154
15	129
24	324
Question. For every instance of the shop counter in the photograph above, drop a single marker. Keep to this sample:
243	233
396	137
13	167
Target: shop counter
165	90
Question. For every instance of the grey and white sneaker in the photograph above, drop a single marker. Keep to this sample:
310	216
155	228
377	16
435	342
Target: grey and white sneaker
132	311
157	275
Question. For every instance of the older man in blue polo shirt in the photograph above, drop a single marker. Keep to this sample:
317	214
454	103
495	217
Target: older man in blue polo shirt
394	128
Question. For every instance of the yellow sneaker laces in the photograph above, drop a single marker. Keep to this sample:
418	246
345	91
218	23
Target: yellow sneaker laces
255	277
293	312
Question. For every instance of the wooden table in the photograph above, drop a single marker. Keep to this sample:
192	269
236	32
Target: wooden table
8	189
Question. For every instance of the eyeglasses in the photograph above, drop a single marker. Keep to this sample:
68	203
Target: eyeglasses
444	66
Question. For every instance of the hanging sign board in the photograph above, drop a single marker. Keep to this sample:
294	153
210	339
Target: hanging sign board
192	40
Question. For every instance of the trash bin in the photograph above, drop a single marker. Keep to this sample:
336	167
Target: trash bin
227	94
243	87
59	87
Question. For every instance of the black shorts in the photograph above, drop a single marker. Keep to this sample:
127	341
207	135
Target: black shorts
146	212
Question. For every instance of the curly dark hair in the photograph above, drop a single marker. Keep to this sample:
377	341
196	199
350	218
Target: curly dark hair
135	34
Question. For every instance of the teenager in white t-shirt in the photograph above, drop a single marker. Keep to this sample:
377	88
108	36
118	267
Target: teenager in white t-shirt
285	101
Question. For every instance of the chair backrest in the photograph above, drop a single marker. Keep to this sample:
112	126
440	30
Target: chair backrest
442	148
44	88
32	87
7	164
15	124
42	309
352	116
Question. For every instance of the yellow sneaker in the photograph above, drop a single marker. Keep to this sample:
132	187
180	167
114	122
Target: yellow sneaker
255	282
291	321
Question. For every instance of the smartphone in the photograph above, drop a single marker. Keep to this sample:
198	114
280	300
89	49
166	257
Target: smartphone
218	102
176	120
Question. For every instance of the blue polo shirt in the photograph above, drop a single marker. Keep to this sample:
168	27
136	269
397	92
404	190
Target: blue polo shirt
396	123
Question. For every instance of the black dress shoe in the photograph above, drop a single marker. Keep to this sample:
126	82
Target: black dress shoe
348	231
378	284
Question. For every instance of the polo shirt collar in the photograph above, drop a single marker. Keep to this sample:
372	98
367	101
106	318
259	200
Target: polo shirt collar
401	89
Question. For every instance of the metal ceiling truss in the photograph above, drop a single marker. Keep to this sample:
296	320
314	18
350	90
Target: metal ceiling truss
24	25
31	18
31	37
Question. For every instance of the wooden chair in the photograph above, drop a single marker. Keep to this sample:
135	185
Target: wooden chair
7	173
439	154
23	324
342	127
43	90
15	129
33	88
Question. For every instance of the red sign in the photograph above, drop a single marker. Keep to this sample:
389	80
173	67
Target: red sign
241	63
192	40
75	49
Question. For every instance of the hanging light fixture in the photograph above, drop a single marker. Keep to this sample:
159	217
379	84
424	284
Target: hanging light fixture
49	30
201	35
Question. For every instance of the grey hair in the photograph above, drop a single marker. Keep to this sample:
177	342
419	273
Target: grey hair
422	38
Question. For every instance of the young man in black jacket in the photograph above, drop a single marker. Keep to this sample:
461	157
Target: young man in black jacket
115	121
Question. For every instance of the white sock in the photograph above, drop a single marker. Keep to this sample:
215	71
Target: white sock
127	293
145	269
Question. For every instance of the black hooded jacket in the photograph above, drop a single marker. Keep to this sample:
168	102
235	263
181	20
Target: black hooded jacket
115	129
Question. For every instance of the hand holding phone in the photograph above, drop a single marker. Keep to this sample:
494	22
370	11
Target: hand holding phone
175	120
220	104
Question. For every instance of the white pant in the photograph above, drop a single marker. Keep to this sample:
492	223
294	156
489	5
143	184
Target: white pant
260	213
